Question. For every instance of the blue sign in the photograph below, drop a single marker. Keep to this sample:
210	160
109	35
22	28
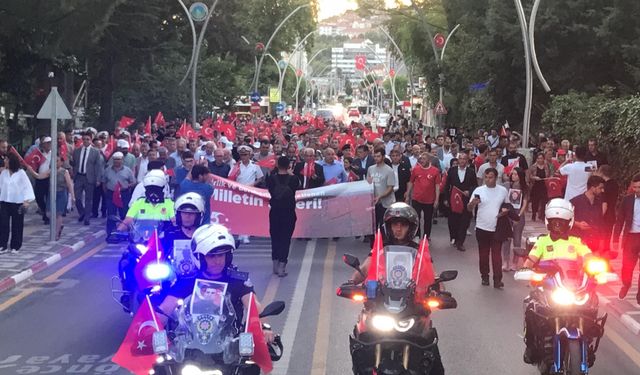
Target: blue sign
280	106
255	97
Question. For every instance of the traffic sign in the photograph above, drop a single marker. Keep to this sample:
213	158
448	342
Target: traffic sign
439	40
274	95
440	109
198	11
280	106
255	97
54	100
255	108
282	64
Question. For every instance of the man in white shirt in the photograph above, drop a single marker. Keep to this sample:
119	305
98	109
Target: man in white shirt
492	163
489	199
246	173
577	174
207	153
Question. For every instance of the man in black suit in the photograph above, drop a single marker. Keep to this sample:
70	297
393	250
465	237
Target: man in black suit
402	168
464	178
87	172
310	173
362	162
628	222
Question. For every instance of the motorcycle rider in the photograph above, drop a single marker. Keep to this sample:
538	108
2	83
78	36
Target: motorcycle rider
557	245
154	205
401	225
189	211
213	246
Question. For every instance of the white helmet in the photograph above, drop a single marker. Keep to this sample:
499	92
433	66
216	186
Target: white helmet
154	177
559	208
212	238
189	199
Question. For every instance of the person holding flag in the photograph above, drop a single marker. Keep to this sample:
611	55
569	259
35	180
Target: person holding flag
213	246
400	228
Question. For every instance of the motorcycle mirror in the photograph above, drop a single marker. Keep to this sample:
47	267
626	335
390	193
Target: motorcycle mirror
274	308
351	260
448	275
447	302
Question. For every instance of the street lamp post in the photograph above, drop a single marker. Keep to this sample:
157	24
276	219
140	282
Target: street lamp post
530	58
412	92
266	47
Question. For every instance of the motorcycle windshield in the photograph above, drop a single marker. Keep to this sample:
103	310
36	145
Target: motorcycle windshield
572	272
399	265
142	230
207	320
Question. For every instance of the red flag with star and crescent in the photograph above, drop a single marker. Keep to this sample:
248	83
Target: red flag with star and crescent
34	159
423	273
159	119
268	162
126	122
456	202
136	351
377	268
147	126
261	355
554	187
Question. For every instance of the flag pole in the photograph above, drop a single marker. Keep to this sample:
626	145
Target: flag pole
421	256
246	324
157	245
153	313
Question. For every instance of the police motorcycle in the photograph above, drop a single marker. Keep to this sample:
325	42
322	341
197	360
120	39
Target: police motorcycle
204	334
124	287
394	333
561	311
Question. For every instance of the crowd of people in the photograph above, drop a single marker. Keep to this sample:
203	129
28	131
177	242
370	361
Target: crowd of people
456	174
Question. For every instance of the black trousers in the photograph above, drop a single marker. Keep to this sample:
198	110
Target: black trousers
11	215
458	225
630	255
489	247
281	227
428	217
41	192
98	196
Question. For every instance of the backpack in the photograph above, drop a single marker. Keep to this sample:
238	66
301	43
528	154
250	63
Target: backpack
281	191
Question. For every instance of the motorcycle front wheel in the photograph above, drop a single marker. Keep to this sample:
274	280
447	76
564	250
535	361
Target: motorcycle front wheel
573	359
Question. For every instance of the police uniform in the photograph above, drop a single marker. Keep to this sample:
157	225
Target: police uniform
143	210
570	249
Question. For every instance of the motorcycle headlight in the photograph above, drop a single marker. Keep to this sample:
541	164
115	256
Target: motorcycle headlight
564	297
157	271
404	325
383	323
191	370
596	266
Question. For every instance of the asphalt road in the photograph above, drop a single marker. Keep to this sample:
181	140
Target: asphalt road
66	322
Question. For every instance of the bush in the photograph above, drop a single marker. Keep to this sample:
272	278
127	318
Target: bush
614	122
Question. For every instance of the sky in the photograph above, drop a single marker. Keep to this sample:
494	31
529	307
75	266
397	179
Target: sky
330	8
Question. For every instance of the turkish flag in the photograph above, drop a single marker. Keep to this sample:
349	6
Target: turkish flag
117	196
423	273
111	147
268	162
153	254
377	267
159	119
309	169
147	126
347	140
261	355
554	187
64	150
332	181
235	172
512	164
15	152
229	131
186	131
136	351
361	62
456	201
126	121
35	159
353	177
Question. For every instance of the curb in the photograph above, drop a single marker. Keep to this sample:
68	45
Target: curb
631	324
66	250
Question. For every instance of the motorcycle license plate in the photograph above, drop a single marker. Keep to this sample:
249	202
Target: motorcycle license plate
246	344
160	342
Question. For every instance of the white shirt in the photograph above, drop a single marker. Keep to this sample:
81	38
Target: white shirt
201	153
249	173
489	207
46	164
446	157
635	225
462	173
396	186
499	167
577	178
84	157
142	168
16	187
413	160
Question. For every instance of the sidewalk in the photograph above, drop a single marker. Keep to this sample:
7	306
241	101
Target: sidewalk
38	253
627	310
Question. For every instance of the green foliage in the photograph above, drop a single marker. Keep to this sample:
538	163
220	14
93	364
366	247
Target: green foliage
612	121
400	85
